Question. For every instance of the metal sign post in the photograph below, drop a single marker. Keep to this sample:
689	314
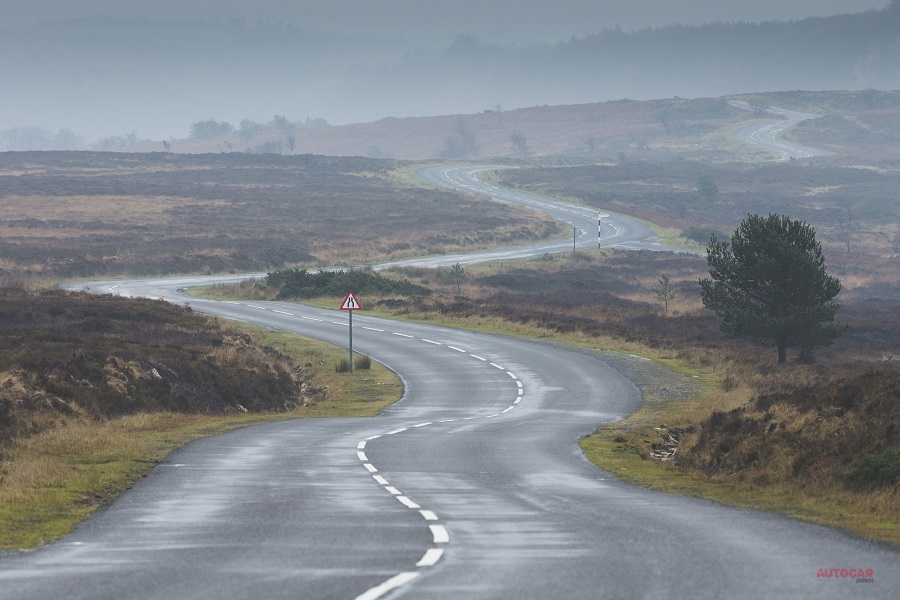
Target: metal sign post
350	304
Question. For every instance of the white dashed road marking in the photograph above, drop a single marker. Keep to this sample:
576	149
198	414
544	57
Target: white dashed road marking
407	502
439	532
391	584
431	557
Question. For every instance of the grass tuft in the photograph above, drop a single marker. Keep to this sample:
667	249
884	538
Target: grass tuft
362	362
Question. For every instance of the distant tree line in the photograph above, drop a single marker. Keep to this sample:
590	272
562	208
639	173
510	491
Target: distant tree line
248	129
27	139
21	139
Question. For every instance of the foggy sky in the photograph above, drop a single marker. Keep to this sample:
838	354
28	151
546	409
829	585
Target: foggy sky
53	82
501	21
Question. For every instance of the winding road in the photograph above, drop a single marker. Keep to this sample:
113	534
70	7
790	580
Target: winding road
472	486
765	135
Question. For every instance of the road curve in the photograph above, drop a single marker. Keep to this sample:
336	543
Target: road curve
592	228
765	135
471	487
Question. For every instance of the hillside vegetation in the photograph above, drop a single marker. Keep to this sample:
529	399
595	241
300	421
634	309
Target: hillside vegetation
74	356
838	434
858	126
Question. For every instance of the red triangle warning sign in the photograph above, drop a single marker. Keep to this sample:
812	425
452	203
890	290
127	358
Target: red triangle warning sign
350	302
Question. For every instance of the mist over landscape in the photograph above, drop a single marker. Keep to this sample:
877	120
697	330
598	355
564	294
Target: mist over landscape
103	74
626	274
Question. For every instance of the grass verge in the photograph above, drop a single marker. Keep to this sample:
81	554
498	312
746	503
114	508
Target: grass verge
620	449
52	481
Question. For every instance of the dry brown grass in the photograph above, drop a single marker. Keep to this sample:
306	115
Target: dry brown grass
75	209
71	355
53	479
69	215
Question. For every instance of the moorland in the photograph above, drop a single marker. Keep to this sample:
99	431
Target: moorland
813	439
102	214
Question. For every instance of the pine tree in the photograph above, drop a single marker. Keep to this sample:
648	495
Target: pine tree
769	285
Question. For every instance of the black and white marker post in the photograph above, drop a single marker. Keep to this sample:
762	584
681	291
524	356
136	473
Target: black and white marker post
350	304
599	230
600	217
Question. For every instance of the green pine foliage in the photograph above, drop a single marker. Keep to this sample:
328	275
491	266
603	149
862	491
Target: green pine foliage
875	471
702	235
770	286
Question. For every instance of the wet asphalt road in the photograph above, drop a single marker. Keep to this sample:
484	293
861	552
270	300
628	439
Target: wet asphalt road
471	487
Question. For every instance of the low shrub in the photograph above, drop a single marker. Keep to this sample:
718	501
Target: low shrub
300	283
702	235
361	362
875	471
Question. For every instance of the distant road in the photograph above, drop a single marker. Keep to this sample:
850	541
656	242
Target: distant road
766	135
592	228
